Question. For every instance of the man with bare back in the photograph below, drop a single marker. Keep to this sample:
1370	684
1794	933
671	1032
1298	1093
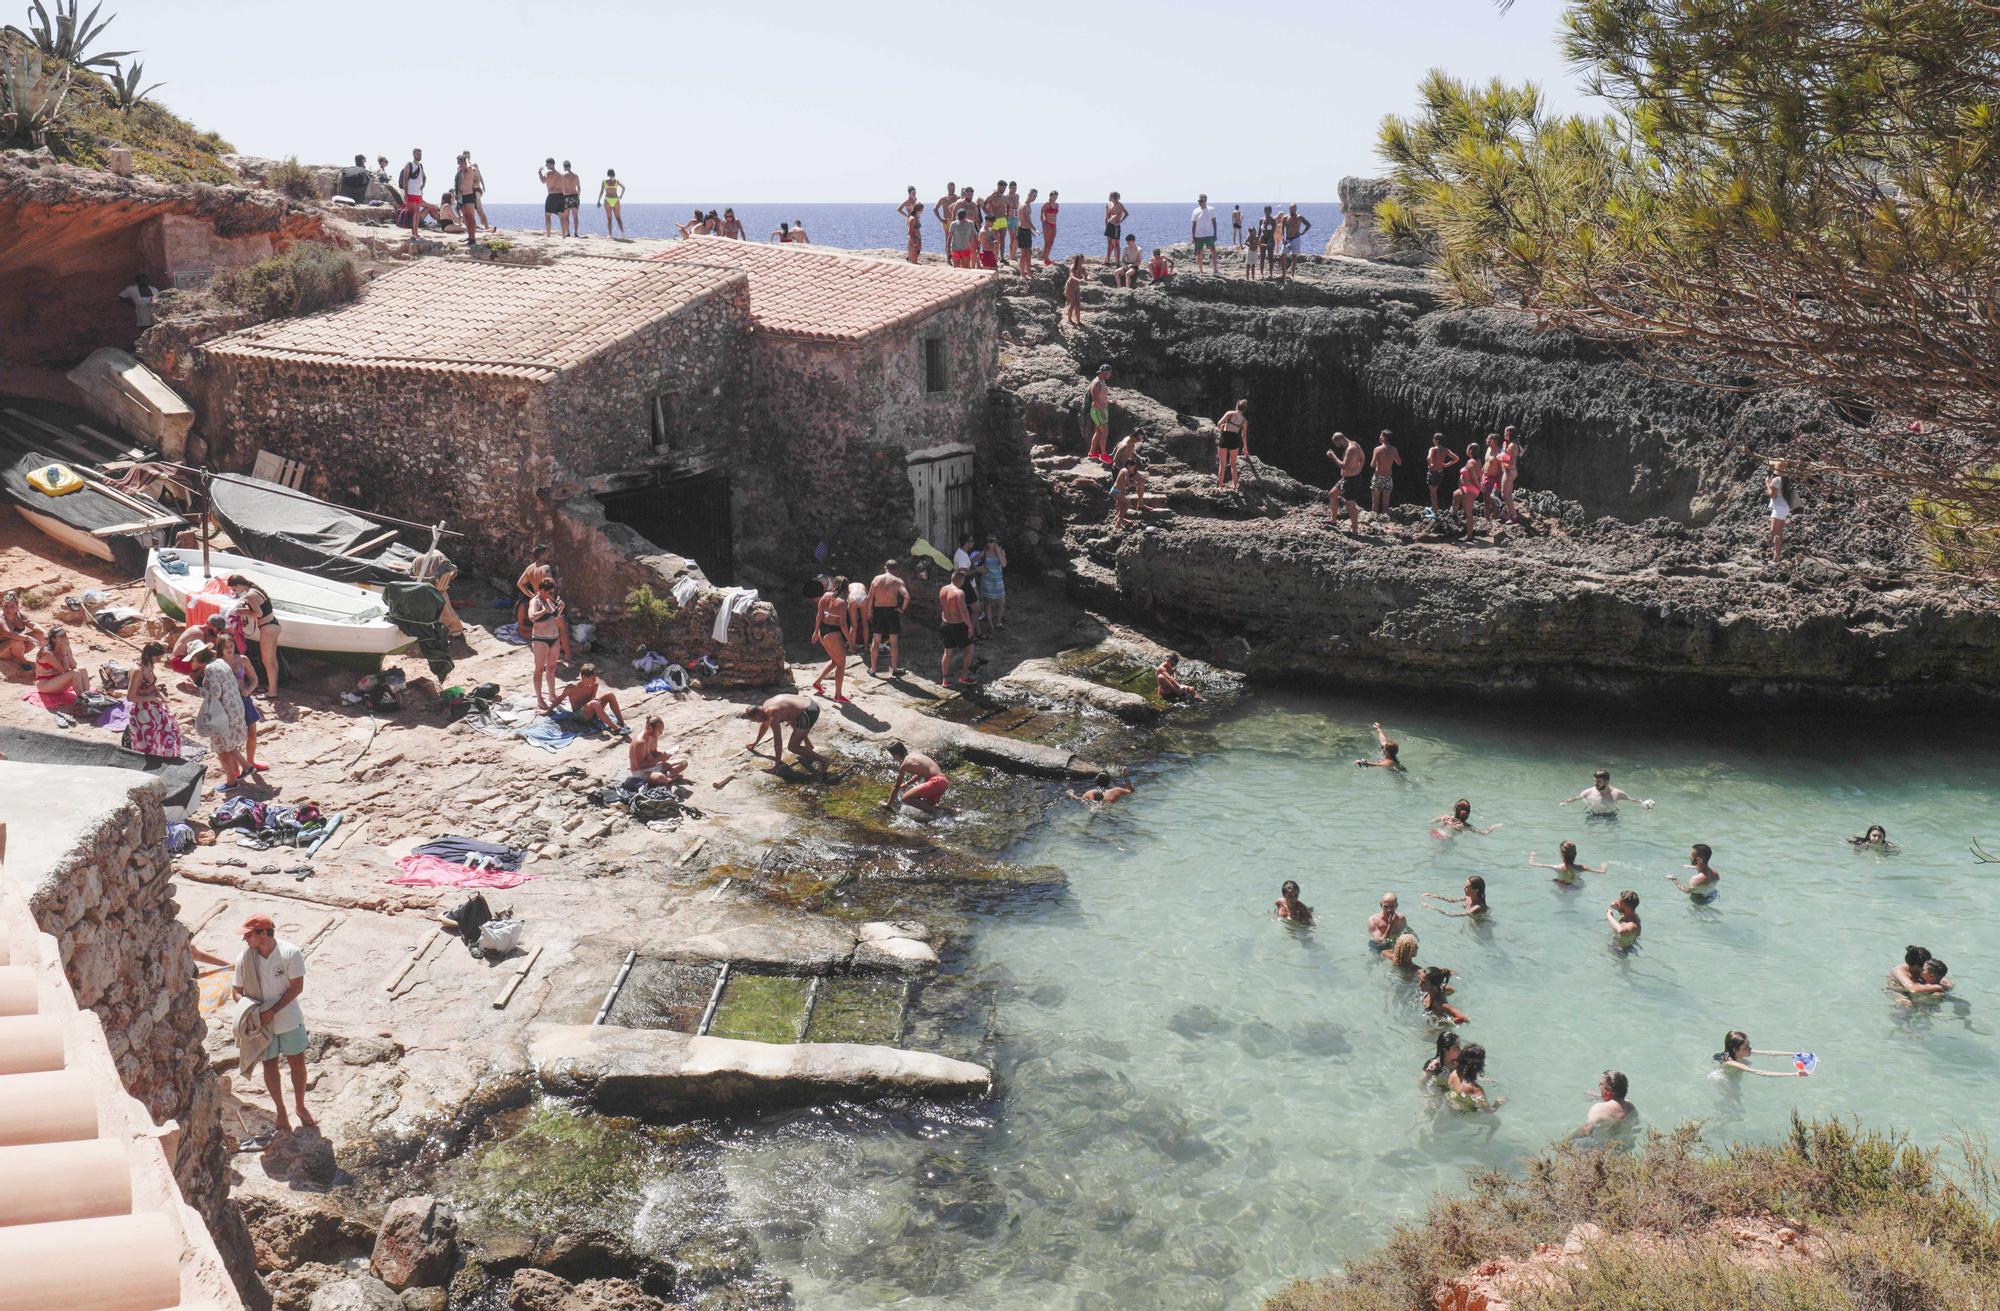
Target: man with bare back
801	712
1348	485
1100	416
553	204
1292	229
889	600
1383	461
955	628
572	188
927	780
945	208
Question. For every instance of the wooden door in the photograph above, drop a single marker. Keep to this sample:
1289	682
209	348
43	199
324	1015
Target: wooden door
941	486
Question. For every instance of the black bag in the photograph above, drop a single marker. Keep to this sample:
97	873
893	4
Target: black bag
469	915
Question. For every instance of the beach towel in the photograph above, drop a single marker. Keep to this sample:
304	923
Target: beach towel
467	851
550	732
735	601
430	872
511	634
115	717
685	590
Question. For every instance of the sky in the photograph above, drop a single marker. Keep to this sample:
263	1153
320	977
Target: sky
730	102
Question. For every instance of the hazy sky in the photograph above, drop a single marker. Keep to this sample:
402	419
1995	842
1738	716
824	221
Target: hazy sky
738	101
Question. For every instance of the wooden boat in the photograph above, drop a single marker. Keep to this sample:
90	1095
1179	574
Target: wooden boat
316	616
288	527
98	519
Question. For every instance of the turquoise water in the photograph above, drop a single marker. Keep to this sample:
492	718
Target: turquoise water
1198	1101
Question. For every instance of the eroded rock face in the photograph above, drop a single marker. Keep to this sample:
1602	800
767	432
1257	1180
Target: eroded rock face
417	1244
1356	236
362	1294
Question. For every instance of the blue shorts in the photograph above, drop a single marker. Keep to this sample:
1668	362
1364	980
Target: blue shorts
251	714
292	1042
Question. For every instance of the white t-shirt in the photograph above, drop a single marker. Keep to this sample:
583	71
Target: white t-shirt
266	978
142	303
1204	221
960	559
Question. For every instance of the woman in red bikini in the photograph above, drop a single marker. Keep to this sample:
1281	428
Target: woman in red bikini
832	623
1466	502
58	681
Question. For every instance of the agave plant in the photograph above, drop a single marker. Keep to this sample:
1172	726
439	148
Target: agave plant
69	38
125	92
31	97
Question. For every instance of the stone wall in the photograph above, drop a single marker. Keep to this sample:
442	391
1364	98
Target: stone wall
90	862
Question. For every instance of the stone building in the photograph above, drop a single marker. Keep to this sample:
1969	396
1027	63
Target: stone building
869	393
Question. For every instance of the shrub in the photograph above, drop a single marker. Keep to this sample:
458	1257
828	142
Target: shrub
292	179
651	614
306	279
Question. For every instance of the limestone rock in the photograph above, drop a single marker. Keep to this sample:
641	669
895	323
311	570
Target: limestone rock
290	1227
359	1294
899	953
417	1244
875	930
1040	680
647	1071
1356	236
537	1290
293	1289
425	1299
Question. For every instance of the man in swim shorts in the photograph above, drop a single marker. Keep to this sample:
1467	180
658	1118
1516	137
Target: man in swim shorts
1350	483
1100	415
955	629
1601	797
927	781
1292	228
553	205
1202	231
1386	924
997	218
410	181
961	239
1115	215
572	190
1383	461
888	599
801	712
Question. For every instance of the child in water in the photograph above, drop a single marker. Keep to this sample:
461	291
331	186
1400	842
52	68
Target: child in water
1289	907
1737	1051
1435	983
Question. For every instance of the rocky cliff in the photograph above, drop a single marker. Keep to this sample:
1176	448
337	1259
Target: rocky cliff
1639	568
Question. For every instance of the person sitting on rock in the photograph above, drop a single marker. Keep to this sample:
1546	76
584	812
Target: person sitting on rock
1160	268
927	780
1167	675
651	765
1130	260
19	635
592	703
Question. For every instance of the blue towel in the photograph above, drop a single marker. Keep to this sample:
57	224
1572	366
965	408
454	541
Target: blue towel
548	732
508	633
659	685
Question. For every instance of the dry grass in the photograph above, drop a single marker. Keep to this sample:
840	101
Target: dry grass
305	279
293	179
1899	1234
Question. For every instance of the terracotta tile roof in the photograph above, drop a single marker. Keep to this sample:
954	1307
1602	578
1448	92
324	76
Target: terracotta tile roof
824	294
496	320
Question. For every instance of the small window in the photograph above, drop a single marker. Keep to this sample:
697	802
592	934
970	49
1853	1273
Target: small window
666	420
933	364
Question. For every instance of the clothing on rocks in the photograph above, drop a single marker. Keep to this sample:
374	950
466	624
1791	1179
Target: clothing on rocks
265	978
735	601
685	590
511	635
220	718
431	872
470	851
551	732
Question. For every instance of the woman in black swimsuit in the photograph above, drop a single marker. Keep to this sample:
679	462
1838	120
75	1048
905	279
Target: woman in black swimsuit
831	625
545	621
259	626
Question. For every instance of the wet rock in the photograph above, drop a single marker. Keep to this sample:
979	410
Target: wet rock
537	1290
1198	1021
291	1228
359	1294
654	1072
293	1289
417	1244
1128	706
425	1299
611	1295
896	953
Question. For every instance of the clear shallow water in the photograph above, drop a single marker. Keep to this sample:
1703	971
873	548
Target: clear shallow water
1198	1101
1079	231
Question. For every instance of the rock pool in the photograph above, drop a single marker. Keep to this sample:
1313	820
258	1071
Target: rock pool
1197	1101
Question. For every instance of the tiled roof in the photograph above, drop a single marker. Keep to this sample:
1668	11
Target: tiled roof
829	295
497	320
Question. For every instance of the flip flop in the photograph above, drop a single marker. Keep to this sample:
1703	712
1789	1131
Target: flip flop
254	1143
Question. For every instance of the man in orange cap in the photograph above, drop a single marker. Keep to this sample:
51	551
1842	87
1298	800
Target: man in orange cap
272	972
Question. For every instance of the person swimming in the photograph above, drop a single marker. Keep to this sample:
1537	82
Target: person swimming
1435	985
1734	1058
1706	881
1458	821
1387	923
1912	975
1473	900
1567	871
1876	838
1437	1070
1289	906
1467	1093
1391	753
1623	915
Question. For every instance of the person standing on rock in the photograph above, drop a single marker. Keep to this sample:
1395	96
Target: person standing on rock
467	198
553	206
1050	210
955	629
611	199
1466	501
961	239
1382	484
927	780
890	600
572	187
1073	293
833	627
1024	234
1100	415
1294	226
1202	231
1436	460
272	973
410	181
997	217
1115	215
528	586
1267	242
1511	452
944	209
1778	492
1232	443
478	190
1236	227
1353	461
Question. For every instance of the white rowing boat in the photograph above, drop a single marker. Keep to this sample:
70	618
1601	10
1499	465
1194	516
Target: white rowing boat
316	616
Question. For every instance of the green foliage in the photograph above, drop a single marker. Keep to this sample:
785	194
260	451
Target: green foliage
33	90
291	178
305	279
1897	1232
125	92
1957	535
652	616
66	37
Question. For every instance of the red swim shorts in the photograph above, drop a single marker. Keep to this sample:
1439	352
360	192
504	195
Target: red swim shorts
930	791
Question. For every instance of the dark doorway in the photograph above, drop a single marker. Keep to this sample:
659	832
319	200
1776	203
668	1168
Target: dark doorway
688	516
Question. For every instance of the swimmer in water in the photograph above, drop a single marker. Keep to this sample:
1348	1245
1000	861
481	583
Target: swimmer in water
1931	979
1909	976
1737	1051
1435	985
1104	791
1705	881
1289	906
1390	751
1467	1092
1473	901
1610	1107
1601	797
1623	915
1875	839
1458	821
1569	869
1404	954
1386	924
1439	1067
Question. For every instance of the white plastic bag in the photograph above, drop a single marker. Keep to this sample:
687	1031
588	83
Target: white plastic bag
498	937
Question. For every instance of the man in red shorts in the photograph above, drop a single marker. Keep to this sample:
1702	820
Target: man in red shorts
410	181
927	781
963	239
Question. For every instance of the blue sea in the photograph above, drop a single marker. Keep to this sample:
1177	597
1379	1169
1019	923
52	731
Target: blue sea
1079	231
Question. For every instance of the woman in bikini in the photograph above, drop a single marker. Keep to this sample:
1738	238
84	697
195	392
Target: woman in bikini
1473	901
1458	821
1489	478
545	623
1050	209
832	625
1073	291
58	681
1567	871
1232	442
260	625
1511	452
1466	502
153	730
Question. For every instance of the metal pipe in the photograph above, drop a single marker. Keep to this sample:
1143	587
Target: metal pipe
721	977
616	985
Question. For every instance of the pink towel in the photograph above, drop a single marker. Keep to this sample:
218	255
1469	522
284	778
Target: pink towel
53	700
430	872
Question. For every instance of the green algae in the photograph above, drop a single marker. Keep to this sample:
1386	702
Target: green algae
857	1008
760	1007
563	1169
1117	668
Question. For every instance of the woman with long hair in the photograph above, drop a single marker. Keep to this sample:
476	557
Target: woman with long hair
545	639
220	718
58	680
832	623
152	730
1050	209
260	625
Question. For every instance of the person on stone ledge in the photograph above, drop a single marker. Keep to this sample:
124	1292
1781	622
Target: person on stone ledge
528	584
1289	907
801	712
927	781
1100	416
1436	460
1382	463
19	635
1351	463
955	630
1131	260
1391	751
1232	443
1167	674
888	599
591	702
650	764
548	639
833	625
272	973
1073	292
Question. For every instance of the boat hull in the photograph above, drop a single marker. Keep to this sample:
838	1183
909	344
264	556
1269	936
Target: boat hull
358	641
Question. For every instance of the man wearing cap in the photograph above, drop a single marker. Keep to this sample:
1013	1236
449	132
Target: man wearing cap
1100	416
272	972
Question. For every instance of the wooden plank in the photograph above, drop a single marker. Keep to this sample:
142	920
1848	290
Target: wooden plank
136	526
360	548
207	915
506	993
395	980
